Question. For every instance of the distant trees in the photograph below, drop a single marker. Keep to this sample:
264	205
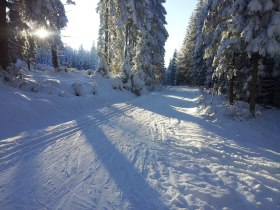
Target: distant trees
131	41
80	59
232	45
171	73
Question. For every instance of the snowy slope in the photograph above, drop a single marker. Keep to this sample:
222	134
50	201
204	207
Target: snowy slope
159	151
46	97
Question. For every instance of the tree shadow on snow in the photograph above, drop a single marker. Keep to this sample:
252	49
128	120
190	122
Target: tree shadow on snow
136	193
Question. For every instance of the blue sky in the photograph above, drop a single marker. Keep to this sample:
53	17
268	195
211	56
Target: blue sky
84	23
178	14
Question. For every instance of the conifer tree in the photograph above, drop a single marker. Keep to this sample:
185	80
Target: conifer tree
4	59
93	56
198	70
185	55
131	41
171	72
236	44
260	33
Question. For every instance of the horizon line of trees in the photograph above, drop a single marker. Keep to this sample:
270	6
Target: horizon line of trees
80	59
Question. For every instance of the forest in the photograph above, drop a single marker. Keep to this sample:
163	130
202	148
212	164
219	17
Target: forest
231	47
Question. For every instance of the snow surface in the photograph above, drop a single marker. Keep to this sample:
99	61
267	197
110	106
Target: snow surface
164	150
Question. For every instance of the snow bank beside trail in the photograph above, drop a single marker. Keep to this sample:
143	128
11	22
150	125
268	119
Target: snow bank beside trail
262	130
44	97
218	105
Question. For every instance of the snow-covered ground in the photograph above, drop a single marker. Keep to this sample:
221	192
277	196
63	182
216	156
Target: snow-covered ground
164	150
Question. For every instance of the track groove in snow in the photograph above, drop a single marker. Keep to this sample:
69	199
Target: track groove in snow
156	152
11	149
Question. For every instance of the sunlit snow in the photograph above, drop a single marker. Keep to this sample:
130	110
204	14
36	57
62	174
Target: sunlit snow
165	150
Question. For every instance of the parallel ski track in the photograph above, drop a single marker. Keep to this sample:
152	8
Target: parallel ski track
11	151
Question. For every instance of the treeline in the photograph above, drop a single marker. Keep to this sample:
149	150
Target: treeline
131	41
70	57
233	46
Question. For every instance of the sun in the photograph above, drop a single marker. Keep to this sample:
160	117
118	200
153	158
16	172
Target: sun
42	33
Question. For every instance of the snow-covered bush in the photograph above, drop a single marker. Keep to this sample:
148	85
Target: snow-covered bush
61	93
70	70
206	110
21	65
138	86
94	88
29	85
90	72
239	111
117	83
103	68
200	99
42	67
77	88
50	82
16	76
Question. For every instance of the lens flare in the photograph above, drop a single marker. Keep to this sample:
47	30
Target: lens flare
42	33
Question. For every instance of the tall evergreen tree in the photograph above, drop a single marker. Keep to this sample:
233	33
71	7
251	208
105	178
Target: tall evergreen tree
171	72
94	56
185	55
4	59
131	41
198	70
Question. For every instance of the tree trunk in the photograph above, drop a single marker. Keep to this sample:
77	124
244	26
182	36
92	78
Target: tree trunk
231	85
126	39
255	61
54	56
106	47
28	64
4	57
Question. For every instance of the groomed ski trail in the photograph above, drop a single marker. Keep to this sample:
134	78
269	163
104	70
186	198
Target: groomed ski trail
155	152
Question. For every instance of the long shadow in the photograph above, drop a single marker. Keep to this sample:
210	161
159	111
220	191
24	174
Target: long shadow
134	188
20	186
165	104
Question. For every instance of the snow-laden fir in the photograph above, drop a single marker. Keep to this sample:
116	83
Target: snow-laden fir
109	150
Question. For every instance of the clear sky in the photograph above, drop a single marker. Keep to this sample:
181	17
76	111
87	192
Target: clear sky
84	23
178	14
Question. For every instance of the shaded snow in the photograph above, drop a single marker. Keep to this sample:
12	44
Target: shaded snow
51	99
159	151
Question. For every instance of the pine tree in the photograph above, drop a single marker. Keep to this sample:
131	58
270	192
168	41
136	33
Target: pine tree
4	59
159	36
93	56
198	70
260	33
185	55
171	72
131	41
237	43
